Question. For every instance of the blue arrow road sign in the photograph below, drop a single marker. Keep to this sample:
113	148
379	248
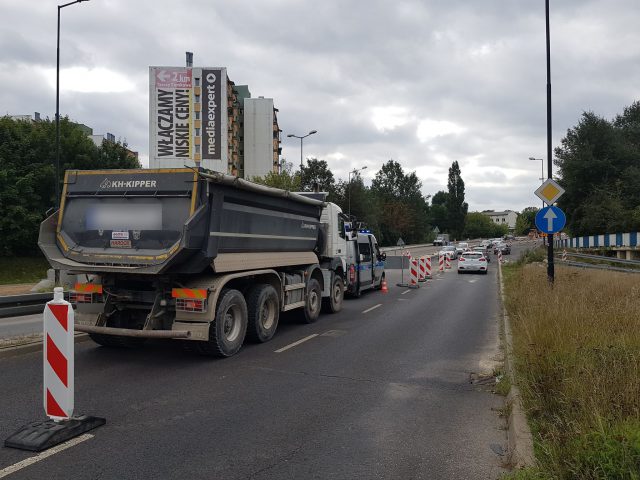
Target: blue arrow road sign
550	219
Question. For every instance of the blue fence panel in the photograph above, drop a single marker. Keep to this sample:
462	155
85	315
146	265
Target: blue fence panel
596	240
618	239
633	239
606	239
585	241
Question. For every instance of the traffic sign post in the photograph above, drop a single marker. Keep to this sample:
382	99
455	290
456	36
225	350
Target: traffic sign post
550	220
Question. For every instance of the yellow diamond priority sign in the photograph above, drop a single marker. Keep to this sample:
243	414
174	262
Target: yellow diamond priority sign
549	192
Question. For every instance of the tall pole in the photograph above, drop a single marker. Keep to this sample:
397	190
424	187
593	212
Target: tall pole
550	266
354	171
57	182
291	135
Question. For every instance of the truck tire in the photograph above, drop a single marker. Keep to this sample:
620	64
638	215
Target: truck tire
263	307
333	303
313	302
228	328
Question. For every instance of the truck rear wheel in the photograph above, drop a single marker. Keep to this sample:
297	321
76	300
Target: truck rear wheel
333	303
313	301
228	328
263	312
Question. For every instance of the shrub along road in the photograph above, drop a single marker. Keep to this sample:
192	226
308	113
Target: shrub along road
382	391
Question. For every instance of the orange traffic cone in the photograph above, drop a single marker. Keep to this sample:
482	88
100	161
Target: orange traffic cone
384	288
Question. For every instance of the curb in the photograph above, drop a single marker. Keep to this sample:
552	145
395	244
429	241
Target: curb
23	349
519	438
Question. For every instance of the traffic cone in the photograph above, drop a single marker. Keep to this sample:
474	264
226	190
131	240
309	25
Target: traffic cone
384	288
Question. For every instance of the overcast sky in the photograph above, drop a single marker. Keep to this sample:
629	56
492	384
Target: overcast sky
422	82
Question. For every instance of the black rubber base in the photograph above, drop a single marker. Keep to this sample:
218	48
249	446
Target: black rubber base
39	436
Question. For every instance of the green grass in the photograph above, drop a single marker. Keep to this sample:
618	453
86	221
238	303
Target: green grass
577	357
22	269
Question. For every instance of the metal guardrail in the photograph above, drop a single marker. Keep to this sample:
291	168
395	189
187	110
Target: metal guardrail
598	267
27	304
603	258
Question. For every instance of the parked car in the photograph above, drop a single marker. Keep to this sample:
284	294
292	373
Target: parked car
473	262
448	251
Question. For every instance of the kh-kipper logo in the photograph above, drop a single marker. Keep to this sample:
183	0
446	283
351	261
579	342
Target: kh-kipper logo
106	183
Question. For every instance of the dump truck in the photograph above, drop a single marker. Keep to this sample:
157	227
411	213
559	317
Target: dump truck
194	255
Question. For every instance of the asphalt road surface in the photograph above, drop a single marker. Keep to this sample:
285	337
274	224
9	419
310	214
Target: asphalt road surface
390	387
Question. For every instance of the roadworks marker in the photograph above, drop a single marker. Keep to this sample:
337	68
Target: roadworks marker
58	391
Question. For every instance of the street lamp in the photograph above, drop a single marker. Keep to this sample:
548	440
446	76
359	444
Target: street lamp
354	171
291	135
60	7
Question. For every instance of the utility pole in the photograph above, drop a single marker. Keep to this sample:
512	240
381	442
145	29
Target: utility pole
550	266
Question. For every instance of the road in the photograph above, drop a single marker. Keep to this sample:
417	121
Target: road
382	390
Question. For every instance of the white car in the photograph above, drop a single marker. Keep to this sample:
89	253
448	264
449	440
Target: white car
473	262
448	251
461	247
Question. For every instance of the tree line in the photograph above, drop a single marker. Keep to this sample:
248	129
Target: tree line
27	174
393	207
599	167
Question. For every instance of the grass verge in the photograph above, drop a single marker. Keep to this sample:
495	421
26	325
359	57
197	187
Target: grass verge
577	357
22	269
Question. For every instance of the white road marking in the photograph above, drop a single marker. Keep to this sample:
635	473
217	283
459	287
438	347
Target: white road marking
406	291
294	344
372	308
41	456
472	281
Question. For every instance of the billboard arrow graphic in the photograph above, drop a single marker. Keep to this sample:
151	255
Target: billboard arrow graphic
550	216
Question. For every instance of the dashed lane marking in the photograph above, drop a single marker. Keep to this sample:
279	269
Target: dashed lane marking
372	308
46	454
295	344
406	291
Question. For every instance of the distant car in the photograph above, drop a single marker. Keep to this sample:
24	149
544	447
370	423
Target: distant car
461	247
448	251
473	262
483	251
503	247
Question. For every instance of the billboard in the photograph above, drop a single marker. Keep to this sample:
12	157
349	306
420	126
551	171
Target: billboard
188	117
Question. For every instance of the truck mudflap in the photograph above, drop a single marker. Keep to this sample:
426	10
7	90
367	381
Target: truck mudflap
127	332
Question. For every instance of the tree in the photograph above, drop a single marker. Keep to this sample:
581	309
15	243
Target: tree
317	172
27	174
526	220
439	215
456	206
283	180
406	211
598	166
478	225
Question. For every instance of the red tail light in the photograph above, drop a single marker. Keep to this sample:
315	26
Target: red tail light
191	305
75	297
483	259
461	259
352	273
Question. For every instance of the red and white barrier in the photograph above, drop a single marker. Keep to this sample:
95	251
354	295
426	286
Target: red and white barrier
447	260
427	267
58	357
441	263
564	255
500	256
422	269
413	272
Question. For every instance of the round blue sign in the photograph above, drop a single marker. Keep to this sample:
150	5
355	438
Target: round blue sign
550	220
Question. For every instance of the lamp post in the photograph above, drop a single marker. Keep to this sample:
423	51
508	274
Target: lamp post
60	7
354	172
291	135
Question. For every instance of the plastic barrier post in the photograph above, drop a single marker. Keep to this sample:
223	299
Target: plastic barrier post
58	344
422	269
447	261
441	263
428	267
413	273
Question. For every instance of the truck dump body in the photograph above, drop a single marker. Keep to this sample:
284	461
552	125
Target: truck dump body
174	221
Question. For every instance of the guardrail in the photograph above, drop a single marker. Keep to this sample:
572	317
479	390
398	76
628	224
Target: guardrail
603	258
28	304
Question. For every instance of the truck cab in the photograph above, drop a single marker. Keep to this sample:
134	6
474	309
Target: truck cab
365	263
